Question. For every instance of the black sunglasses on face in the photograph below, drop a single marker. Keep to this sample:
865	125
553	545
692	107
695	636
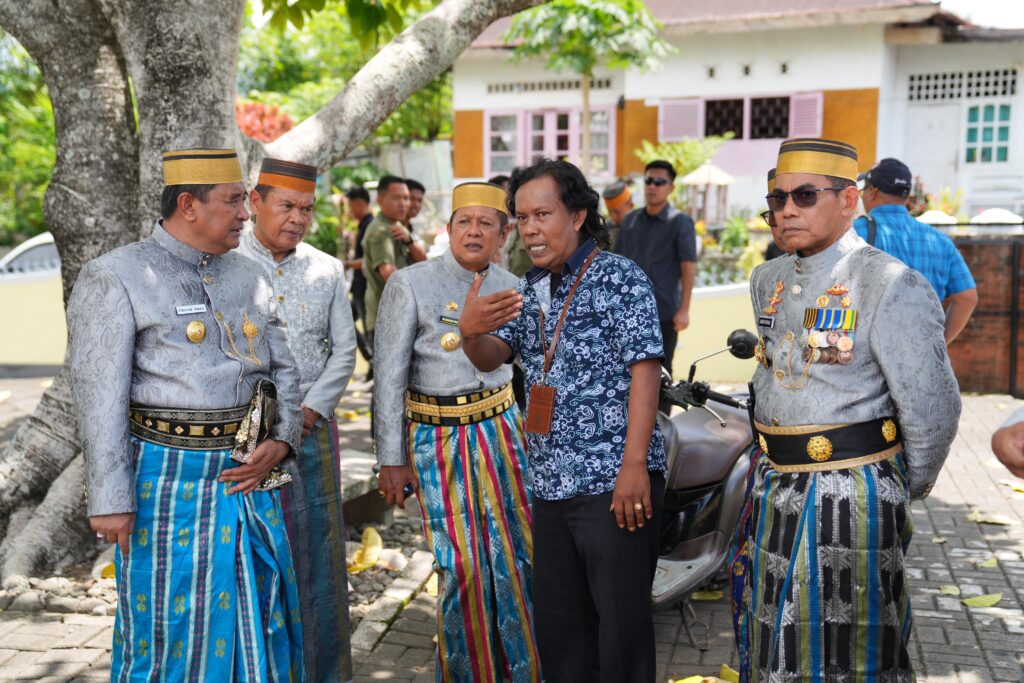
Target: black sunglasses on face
657	182
768	217
803	197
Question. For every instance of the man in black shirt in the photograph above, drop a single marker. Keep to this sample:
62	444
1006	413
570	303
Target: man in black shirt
663	242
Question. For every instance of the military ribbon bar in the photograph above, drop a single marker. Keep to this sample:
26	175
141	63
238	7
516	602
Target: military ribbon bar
830	319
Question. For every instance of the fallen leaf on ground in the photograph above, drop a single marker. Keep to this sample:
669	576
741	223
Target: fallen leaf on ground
690	679
949	590
369	551
983	600
46	384
728	674
990	563
986	518
432	585
938	539
349	415
707	596
1014	485
1001	406
4	395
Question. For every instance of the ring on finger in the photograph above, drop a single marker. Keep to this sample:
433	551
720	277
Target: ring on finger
638	506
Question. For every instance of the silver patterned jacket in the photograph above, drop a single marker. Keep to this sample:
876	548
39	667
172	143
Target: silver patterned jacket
127	321
899	365
312	297
421	304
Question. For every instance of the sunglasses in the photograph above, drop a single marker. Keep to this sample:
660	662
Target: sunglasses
657	182
768	217
804	197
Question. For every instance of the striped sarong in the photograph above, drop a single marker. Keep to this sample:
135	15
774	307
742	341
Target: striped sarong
316	531
207	592
826	597
475	500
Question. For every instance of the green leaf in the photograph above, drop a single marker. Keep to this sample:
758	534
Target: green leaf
984	518
983	600
990	563
949	590
706	596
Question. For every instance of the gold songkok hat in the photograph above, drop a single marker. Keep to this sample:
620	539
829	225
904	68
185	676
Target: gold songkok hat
771	181
479	194
287	175
616	195
201	167
818	157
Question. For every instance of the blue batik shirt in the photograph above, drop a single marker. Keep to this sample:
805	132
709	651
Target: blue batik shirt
611	324
920	246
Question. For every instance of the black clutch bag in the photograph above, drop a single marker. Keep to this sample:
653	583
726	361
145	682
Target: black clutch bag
255	428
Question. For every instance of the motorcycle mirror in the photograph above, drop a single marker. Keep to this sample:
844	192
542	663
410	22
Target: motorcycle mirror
742	343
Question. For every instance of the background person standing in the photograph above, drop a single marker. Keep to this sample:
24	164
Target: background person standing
891	228
663	242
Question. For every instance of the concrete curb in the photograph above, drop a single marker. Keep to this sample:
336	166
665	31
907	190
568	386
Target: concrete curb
390	604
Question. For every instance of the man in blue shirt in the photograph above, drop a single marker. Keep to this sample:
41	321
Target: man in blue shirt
891	228
597	458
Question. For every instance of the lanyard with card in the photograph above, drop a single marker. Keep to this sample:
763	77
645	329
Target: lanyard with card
542	397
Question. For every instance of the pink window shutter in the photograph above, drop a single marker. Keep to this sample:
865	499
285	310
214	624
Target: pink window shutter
678	119
805	115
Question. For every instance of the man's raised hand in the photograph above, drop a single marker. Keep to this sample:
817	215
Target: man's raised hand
483	314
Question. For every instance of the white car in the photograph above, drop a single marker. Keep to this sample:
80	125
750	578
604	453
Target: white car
32	304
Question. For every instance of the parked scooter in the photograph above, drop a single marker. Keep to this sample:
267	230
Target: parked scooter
708	451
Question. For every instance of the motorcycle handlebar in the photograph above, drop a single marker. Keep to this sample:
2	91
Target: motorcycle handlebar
723	398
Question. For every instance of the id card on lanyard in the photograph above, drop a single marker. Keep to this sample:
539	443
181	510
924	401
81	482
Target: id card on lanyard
541	409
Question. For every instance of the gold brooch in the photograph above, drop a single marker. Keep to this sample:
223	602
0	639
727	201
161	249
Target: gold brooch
889	431
450	341
452	306
819	448
249	329
822	301
196	331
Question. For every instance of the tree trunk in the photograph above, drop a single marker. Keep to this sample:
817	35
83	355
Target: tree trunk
180	57
585	123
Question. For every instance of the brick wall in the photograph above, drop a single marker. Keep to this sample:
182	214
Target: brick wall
981	354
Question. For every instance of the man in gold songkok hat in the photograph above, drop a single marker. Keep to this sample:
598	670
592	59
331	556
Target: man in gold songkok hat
455	435
175	350
855	410
311	294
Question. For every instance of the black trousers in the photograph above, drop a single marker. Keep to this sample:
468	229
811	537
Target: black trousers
669	337
592	590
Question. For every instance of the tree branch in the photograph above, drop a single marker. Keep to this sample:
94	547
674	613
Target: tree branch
410	61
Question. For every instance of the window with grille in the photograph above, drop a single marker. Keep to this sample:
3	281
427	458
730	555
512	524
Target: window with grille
769	117
503	143
723	116
988	133
955	85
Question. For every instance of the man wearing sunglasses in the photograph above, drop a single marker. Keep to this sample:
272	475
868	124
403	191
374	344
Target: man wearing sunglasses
855	410
663	242
891	228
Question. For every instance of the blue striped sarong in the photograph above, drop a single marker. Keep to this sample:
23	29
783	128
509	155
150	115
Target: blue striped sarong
207	592
475	500
826	597
316	531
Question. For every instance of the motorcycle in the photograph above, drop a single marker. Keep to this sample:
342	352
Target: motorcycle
708	453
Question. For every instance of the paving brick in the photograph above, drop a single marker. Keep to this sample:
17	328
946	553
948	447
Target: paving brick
415	657
408	640
422	628
387	654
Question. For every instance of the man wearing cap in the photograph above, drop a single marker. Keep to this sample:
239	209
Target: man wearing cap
172	342
855	410
456	435
309	287
891	228
618	200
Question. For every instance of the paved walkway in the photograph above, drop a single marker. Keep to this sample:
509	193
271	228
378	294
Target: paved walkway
951	642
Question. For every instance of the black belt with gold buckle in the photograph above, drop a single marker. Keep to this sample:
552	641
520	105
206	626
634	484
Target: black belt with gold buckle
821	448
197	430
452	411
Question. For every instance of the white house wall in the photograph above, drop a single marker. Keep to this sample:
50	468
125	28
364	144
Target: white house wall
830	58
930	135
472	75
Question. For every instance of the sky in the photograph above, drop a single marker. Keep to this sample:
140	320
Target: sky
998	13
